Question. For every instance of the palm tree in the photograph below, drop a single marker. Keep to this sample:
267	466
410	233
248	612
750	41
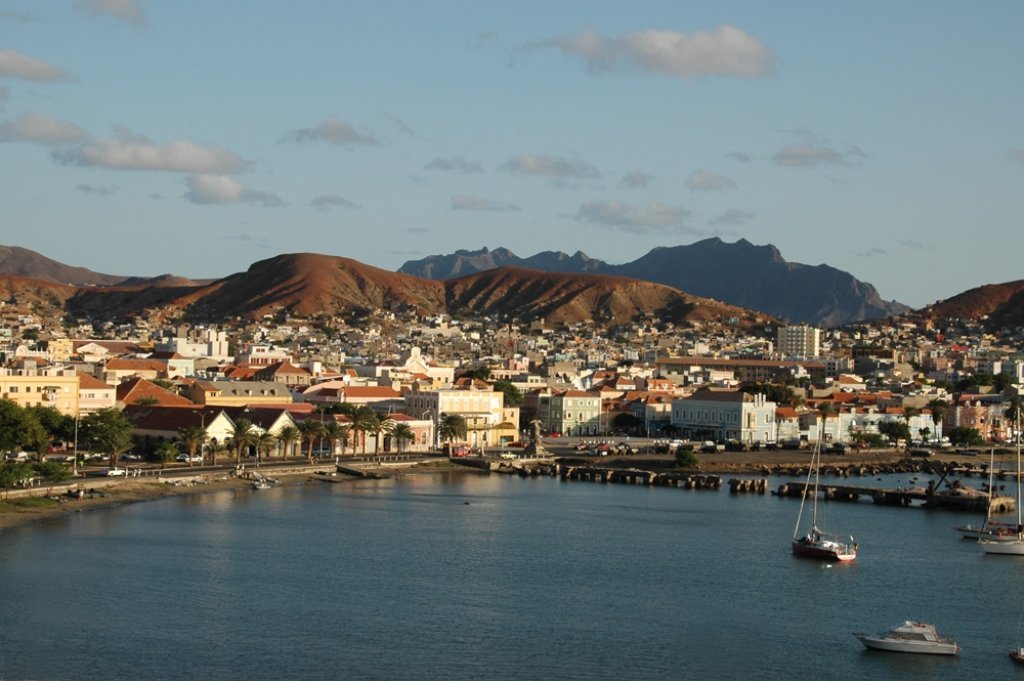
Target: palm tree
334	431
166	452
364	420
243	433
938	409
451	427
312	430
385	426
402	434
193	438
264	442
288	436
216	448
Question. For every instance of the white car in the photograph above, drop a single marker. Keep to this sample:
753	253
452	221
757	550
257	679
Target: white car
116	471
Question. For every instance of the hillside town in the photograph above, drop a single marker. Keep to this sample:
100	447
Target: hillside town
325	388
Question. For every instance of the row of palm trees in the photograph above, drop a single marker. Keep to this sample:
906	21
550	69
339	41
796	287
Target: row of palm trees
362	420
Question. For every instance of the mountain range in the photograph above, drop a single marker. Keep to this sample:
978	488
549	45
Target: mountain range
309	284
740	273
550	285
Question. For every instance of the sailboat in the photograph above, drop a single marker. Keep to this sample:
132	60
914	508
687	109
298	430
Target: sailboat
815	543
989	529
1012	545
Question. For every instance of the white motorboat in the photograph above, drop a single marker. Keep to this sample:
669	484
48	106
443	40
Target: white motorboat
911	637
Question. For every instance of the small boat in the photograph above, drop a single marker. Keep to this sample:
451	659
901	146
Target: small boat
911	637
261	484
1017	655
1013	544
988	530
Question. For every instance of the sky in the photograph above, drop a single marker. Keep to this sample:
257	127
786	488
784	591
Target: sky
196	137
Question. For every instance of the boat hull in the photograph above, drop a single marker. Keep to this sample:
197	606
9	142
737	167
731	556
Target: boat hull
1000	547
901	646
823	551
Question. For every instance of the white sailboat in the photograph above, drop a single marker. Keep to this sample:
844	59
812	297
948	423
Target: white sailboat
1012	545
815	543
989	529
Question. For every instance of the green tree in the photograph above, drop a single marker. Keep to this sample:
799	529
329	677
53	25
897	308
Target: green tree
12	473
482	373
385	426
626	422
894	430
364	420
193	438
312	430
165	453
12	425
938	409
513	395
335	432
264	442
451	427
687	458
402	434
109	431
962	435
243	433
288	436
34	435
52	473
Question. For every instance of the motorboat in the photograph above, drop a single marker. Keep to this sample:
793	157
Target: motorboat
261	484
911	637
1017	655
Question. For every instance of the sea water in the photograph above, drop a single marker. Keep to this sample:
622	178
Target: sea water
491	577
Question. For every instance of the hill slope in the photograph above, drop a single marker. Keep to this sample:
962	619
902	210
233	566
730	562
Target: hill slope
1001	303
742	274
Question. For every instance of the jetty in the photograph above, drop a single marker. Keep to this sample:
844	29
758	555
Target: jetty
955	498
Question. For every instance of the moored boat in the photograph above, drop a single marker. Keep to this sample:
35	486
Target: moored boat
815	543
911	637
1017	655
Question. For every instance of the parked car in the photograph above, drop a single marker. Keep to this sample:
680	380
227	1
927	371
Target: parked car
184	458
116	471
837	448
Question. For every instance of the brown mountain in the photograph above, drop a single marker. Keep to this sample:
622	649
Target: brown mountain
556	297
22	262
306	284
1001	303
309	283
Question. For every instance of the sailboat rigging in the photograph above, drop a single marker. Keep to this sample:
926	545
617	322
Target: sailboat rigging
1014	544
815	543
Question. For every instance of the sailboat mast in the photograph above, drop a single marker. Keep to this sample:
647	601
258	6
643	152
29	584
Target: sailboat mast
1018	471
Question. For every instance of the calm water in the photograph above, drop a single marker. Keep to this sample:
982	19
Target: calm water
532	579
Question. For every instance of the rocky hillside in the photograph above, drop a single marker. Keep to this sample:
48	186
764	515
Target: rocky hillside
22	262
742	274
308	284
1003	304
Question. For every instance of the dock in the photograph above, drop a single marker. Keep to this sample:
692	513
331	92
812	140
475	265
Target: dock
957	498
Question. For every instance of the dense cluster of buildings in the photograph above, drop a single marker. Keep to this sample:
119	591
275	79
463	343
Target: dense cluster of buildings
699	381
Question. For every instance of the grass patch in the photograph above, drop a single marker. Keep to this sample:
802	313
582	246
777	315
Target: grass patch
28	502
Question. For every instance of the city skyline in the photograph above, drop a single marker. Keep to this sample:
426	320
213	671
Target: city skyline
196	138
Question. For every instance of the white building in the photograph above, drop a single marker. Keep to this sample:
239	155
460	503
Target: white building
711	414
799	341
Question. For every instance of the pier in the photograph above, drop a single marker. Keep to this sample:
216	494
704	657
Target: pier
636	476
957	499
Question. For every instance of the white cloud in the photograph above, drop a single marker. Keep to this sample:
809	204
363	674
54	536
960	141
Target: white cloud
334	131
731	218
813	150
99	190
639	219
328	201
41	129
219	189
635	180
549	166
455	164
707	181
725	51
129	151
463	202
16	65
123	10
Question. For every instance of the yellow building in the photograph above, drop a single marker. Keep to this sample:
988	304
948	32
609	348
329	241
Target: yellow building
50	387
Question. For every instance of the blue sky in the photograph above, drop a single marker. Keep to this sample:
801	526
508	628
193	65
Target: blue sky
196	137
